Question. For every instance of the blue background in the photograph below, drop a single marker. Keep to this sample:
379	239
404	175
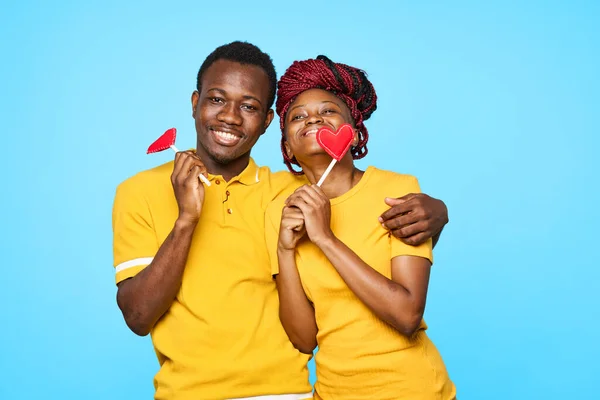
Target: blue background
493	106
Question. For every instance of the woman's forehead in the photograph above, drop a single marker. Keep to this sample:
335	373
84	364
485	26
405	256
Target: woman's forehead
316	95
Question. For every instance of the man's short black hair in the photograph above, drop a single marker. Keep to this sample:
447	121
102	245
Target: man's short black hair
244	53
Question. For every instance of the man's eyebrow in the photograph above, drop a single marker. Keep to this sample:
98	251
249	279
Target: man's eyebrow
247	97
253	98
217	90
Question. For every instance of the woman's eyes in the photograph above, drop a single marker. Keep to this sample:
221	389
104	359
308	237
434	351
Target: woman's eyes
327	111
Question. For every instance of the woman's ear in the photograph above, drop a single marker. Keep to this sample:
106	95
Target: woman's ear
288	150
355	140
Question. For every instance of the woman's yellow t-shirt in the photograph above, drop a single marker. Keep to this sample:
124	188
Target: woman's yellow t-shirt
359	355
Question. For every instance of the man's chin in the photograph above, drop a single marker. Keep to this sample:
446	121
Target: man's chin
220	157
224	155
224	159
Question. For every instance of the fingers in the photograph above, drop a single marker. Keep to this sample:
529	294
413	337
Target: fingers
292	214
295	224
196	161
185	161
180	169
417	239
416	219
298	203
177	165
411	230
301	199
192	178
290	211
188	164
398	206
394	201
292	218
316	193
180	158
401	220
298	192
310	195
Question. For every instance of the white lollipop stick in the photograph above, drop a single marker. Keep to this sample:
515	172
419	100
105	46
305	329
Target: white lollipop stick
202	177
327	171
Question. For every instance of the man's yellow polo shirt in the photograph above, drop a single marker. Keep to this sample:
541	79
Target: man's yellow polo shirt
222	337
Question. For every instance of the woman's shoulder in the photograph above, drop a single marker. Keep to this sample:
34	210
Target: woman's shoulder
389	179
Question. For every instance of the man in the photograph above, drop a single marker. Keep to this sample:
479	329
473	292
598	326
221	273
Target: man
191	262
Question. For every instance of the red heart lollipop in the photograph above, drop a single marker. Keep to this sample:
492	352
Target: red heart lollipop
167	140
336	144
164	142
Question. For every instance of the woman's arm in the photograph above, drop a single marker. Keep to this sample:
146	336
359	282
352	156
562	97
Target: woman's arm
399	301
296	313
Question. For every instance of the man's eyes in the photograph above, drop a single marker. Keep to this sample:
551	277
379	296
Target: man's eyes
220	100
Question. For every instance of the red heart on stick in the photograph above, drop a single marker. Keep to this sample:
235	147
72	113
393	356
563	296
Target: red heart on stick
336	144
164	142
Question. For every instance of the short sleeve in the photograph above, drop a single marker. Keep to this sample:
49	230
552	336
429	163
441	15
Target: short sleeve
272	223
134	237
410	184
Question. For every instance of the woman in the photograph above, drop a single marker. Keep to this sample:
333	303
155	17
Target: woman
344	283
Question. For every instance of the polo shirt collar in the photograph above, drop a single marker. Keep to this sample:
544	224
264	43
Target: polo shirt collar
249	176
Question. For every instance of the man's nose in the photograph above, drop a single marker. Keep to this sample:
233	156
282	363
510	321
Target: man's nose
230	114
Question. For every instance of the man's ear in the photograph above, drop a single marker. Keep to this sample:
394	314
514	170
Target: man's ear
268	119
195	98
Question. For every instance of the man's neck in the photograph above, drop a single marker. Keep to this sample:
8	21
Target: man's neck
228	170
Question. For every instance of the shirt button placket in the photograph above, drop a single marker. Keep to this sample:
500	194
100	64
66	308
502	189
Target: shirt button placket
226	202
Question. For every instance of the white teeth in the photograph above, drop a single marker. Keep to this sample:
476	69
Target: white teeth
225	135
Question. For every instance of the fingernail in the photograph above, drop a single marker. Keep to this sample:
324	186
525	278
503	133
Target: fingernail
380	219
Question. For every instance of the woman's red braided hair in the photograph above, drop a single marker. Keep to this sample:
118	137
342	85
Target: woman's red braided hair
348	83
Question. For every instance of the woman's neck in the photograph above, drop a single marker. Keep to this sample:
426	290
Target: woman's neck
343	177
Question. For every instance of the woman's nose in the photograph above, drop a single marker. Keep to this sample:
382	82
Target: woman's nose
314	119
